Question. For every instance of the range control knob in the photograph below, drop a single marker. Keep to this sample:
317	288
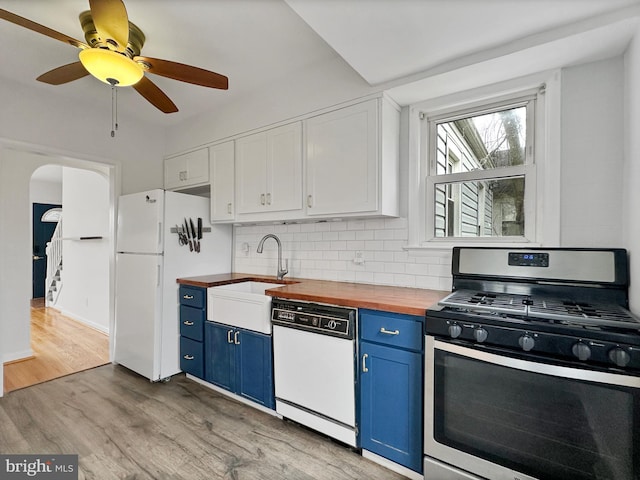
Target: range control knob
455	330
619	356
581	350
480	334
527	342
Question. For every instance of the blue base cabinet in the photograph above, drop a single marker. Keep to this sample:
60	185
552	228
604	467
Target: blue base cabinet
240	361
192	317
391	386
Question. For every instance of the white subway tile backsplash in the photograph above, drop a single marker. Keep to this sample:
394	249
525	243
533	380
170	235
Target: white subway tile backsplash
326	251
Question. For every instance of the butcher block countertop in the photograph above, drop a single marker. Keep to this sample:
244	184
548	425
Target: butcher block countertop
412	301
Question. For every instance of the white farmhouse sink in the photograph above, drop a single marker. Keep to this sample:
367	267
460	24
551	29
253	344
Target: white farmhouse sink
242	304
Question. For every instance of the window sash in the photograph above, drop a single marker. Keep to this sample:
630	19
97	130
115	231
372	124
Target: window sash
432	121
527	170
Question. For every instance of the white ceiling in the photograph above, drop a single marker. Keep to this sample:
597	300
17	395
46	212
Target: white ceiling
390	43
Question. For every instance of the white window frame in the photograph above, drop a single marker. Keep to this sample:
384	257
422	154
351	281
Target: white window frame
542	195
429	126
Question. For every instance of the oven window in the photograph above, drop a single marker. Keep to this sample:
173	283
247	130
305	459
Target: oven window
544	426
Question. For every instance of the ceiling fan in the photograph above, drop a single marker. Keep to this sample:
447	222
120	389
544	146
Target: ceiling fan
112	55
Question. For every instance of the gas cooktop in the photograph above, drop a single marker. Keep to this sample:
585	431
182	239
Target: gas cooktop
566	311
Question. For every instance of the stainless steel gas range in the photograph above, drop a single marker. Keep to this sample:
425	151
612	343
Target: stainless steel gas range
533	368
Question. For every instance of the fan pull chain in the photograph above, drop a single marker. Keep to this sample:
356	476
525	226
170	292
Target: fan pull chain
114	110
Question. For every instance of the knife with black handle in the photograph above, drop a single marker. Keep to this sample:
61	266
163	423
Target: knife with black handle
199	233
186	229
193	234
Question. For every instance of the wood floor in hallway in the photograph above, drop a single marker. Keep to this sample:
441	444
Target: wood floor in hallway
122	426
60	345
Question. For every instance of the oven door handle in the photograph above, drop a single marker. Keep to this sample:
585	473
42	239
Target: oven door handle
535	367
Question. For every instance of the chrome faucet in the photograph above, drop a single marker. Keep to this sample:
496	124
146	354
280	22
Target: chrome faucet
281	271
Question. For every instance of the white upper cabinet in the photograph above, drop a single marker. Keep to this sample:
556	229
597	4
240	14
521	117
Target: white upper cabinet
352	160
269	172
187	170
221	172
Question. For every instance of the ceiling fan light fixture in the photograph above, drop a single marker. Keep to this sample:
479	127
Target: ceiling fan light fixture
111	67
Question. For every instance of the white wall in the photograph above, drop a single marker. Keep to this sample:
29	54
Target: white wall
632	167
37	129
85	276
45	192
319	86
592	155
74	127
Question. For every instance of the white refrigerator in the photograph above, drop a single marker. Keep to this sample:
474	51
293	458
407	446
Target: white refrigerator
149	259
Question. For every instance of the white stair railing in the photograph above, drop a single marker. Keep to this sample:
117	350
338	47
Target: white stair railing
54	266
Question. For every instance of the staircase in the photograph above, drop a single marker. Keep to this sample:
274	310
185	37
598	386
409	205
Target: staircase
53	279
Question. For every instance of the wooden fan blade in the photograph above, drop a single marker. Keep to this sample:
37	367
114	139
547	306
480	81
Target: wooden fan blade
36	27
64	74
155	96
184	73
111	21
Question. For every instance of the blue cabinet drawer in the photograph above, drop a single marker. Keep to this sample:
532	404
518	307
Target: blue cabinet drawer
192	296
393	329
192	323
192	357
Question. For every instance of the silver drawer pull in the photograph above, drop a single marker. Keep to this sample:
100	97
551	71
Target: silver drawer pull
188	297
188	357
389	332
229	332
188	323
364	363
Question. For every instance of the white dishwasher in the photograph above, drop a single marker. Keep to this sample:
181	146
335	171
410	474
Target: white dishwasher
314	356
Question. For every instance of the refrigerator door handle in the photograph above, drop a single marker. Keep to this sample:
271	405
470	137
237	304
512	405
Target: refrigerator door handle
160	234
158	281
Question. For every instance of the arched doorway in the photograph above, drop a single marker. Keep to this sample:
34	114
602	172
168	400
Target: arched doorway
18	292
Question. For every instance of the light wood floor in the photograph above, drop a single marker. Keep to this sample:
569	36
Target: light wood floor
124	427
61	346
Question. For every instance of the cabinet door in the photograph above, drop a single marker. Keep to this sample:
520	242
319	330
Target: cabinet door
221	173
391	404
284	168
254	367
186	170
219	366
251	171
342	160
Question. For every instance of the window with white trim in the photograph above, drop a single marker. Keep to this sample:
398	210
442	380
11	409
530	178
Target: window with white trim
480	183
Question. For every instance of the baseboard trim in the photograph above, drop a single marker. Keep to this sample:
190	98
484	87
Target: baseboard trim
391	465
83	321
14	357
233	395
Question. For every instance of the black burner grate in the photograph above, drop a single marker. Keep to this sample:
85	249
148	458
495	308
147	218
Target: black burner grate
565	311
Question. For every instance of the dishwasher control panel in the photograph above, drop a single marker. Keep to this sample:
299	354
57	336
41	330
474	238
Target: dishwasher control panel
313	317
